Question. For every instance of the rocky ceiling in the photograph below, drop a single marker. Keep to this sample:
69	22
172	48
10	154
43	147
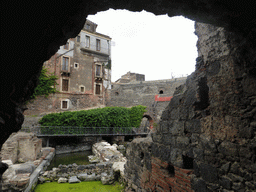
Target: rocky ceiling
31	32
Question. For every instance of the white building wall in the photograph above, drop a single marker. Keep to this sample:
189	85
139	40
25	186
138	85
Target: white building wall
67	52
104	43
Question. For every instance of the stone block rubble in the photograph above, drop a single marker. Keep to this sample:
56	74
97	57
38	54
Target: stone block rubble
108	162
21	147
19	176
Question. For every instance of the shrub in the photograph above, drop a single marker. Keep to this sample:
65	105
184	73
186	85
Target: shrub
101	117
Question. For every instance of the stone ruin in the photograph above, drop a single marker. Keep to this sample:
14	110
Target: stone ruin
21	147
210	122
107	165
23	153
206	138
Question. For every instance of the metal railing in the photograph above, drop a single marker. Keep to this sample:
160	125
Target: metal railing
84	131
93	47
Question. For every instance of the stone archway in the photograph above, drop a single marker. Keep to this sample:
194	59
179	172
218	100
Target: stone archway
147	123
36	30
34	33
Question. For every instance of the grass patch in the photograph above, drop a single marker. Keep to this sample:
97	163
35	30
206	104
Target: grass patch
90	186
31	115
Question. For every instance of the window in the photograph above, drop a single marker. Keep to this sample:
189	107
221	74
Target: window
65	84
66	46
97	44
97	89
87	41
78	38
65	62
88	26
98	71
161	92
82	89
76	65
64	104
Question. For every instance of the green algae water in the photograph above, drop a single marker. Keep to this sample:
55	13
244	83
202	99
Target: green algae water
80	158
89	186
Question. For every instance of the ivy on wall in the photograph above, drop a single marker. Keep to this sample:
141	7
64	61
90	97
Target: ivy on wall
108	65
46	84
101	117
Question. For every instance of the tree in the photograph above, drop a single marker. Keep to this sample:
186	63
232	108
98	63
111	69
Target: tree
46	84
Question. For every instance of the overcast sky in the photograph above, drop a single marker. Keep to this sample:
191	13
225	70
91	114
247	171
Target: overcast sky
157	46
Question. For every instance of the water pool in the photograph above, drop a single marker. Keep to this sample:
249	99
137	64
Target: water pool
80	158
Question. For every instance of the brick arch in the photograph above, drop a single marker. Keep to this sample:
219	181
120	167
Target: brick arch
150	119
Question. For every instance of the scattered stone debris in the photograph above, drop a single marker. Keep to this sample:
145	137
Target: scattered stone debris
18	176
107	162
93	159
74	179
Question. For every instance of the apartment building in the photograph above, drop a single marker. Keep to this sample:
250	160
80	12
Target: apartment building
83	68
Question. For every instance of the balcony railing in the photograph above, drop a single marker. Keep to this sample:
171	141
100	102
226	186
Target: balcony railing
92	49
84	131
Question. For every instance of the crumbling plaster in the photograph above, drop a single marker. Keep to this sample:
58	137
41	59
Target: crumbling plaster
32	32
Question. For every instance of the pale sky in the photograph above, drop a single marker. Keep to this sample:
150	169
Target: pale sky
157	46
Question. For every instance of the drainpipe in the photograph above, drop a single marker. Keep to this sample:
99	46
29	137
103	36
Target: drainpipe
55	68
93	77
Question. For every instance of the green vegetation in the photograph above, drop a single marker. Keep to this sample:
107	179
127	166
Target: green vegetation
101	117
108	66
31	115
80	158
91	186
46	84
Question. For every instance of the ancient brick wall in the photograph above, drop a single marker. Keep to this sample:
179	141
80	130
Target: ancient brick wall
147	172
208	129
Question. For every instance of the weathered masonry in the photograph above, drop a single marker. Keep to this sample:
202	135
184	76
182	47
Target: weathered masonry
132	89
206	138
142	92
83	68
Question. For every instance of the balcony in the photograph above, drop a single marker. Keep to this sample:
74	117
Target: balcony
92	49
65	73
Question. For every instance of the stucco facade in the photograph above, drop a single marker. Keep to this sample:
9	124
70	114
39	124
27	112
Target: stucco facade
83	68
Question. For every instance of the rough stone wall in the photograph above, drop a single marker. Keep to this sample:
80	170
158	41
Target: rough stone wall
130	77
208	128
142	93
22	147
147	172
